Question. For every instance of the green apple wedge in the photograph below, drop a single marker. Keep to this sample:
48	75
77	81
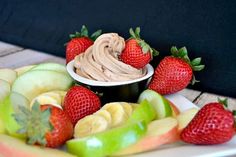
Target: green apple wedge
51	66
8	75
2	127
143	112
35	82
107	142
6	114
5	89
24	69
12	147
161	105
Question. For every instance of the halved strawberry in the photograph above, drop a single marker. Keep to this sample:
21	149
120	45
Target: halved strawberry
45	125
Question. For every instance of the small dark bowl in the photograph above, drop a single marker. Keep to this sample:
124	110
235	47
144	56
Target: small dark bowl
114	91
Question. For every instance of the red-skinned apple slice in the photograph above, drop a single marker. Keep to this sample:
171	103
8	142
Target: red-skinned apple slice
12	147
185	117
159	132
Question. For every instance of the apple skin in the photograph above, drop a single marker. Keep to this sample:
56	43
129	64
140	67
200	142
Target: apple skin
12	147
159	102
144	111
107	142
2	127
6	111
163	131
174	108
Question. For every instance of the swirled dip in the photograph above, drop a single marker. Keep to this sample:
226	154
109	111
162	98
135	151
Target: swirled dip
101	61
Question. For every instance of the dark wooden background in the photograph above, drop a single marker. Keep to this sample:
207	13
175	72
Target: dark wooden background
205	27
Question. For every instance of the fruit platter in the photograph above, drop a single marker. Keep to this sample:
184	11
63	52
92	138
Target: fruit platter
108	100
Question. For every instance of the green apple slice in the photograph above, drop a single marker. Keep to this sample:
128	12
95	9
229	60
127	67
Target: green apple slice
6	112
107	142
2	127
143	112
160	104
23	69
51	66
5	89
13	147
35	82
18	100
8	75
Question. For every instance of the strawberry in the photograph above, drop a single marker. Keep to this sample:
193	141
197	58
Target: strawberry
45	125
80	102
213	124
174	73
79	42
137	52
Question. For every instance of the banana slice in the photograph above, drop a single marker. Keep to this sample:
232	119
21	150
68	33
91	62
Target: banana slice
90	125
118	115
128	108
45	99
134	105
105	114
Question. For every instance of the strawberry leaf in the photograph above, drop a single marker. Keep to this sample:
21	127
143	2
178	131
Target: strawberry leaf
145	48
84	31
198	67
96	34
174	51
131	32
196	61
155	52
183	52
223	101
137	32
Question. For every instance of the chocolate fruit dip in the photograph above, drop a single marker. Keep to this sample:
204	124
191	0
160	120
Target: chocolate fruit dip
101	62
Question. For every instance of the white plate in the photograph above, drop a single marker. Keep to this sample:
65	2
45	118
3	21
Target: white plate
186	150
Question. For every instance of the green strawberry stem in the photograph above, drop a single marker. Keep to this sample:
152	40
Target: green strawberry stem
34	123
195	63
84	33
145	47
223	101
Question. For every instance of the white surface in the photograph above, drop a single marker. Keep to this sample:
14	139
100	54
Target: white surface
70	69
186	150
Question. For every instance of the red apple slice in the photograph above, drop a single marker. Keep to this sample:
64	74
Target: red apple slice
159	132
185	117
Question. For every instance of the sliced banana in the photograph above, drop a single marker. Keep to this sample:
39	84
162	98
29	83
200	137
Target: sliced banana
134	105
118	115
128	108
45	99
90	125
105	114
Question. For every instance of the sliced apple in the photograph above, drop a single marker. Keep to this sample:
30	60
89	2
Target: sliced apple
51	66
163	131
160	103
2	127
174	108
35	82
5	89
107	142
24	69
12	147
6	112
143	112
17	100
8	75
185	117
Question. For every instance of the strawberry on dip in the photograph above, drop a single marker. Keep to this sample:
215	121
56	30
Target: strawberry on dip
137	52
79	42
